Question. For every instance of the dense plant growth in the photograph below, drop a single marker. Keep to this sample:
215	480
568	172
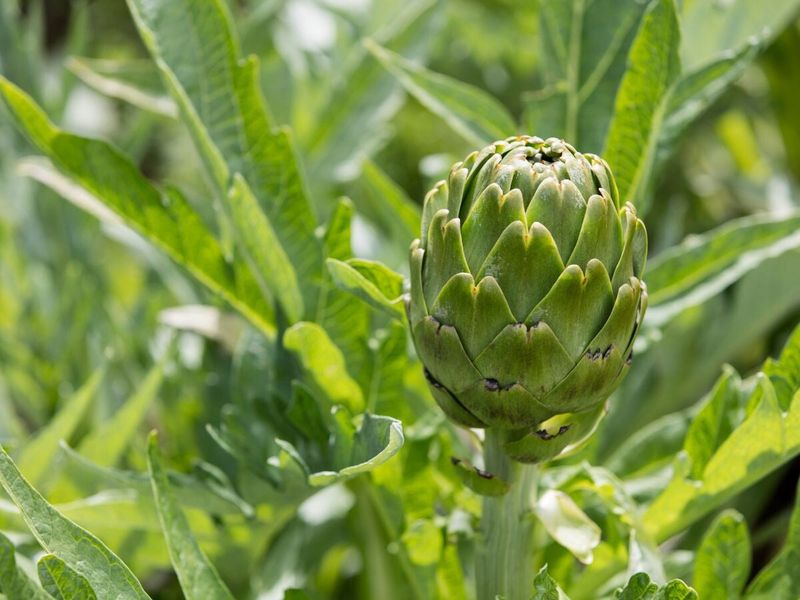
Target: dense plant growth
331	419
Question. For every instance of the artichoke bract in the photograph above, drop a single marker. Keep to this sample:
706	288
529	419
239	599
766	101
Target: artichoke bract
526	292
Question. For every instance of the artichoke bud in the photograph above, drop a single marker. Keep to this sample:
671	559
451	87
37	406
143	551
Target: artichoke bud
526	292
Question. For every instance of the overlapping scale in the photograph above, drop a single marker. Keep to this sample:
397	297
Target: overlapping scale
526	264
560	207
492	212
444	254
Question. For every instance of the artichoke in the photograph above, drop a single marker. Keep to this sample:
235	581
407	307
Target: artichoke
526	292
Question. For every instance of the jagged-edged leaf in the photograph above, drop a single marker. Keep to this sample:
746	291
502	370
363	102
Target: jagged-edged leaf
324	364
61	582
219	98
106	443
268	260
722	562
470	111
79	549
653	68
373	282
760	440
165	218
584	49
133	81
198	577
15	583
37	456
640	587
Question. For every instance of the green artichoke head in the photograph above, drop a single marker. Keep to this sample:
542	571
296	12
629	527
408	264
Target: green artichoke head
526	292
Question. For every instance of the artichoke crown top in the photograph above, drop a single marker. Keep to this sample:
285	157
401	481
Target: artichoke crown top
526	288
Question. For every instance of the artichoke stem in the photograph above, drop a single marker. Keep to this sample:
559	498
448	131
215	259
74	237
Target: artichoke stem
505	556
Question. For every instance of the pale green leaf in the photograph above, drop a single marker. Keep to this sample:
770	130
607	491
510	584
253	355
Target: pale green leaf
61	582
472	113
79	549
711	29
36	458
730	247
106	443
373	282
722	562
567	524
220	100
424	541
324	364
165	219
14	582
198	577
653	68
268	260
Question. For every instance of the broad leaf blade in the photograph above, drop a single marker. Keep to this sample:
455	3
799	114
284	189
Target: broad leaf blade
198	577
165	219
373	282
220	100
78	548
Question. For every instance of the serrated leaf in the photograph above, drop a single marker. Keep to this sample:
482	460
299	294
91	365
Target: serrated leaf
722	562
373	282
198	577
36	457
14	582
653	68
765	439
268	260
567	524
61	582
640	587
165	218
469	111
78	548
219	98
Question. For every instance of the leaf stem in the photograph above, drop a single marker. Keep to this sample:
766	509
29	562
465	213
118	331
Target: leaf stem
504	563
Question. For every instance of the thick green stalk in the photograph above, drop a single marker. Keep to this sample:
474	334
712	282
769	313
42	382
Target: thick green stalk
504	561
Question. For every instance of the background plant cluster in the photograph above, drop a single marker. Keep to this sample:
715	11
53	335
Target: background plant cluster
244	179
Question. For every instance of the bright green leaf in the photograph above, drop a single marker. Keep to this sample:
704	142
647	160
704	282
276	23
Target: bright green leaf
14	582
373	282
722	562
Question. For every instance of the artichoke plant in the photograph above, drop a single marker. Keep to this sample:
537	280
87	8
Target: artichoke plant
526	292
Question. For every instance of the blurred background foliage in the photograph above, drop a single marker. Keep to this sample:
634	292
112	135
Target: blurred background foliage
78	295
